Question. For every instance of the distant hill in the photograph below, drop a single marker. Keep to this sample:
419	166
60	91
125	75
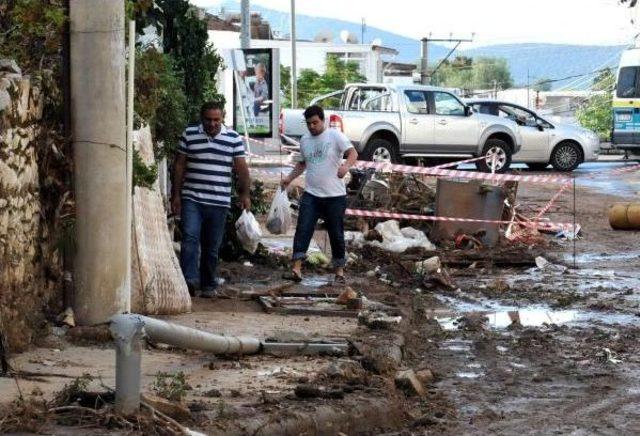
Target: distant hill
539	61
550	61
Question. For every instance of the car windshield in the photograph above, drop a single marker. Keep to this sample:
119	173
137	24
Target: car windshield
628	85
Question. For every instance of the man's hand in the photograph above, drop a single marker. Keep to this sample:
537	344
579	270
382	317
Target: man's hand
245	202
176	205
342	171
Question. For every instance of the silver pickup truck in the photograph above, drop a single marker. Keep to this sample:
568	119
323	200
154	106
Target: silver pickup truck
388	122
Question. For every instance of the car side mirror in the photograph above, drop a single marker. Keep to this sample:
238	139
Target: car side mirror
540	125
467	111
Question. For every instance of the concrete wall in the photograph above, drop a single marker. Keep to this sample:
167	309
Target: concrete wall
24	243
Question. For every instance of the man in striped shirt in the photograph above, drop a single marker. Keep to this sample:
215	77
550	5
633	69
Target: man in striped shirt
207	154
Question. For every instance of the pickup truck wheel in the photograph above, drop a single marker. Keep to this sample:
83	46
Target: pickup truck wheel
502	158
380	150
566	156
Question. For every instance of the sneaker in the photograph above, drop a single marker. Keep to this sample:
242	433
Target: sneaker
194	289
209	293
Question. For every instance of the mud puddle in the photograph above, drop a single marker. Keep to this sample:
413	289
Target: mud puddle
540	317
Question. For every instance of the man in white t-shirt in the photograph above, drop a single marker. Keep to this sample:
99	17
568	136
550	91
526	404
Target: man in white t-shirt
322	151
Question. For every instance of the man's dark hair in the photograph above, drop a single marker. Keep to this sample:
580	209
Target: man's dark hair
314	110
211	105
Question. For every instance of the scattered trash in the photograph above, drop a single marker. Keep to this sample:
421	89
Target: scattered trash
398	240
309	391
610	356
346	295
279	218
428	266
568	235
67	317
464	242
346	370
172	409
544	264
306	306
408	381
279	371
318	258
377	320
248	231
352	258
247	264
425	376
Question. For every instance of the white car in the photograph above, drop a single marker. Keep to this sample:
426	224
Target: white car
543	143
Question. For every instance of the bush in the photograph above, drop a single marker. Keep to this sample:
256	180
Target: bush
160	100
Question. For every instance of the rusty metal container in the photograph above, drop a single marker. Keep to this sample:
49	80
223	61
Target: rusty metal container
468	199
625	216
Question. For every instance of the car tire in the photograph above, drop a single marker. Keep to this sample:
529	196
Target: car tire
503	150
537	166
566	156
380	150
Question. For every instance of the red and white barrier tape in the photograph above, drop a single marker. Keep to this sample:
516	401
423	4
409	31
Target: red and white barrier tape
460	162
406	216
430	171
566	186
557	195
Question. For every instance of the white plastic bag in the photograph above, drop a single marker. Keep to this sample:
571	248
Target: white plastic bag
398	240
248	231
279	218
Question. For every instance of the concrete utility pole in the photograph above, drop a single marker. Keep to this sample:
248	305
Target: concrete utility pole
528	90
98	126
294	71
245	30
424	69
425	77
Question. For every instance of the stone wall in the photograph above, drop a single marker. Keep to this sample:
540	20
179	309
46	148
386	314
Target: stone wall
26	289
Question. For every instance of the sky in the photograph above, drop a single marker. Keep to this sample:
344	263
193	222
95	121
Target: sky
601	22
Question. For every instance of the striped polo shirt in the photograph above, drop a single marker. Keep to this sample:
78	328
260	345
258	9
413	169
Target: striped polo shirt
209	164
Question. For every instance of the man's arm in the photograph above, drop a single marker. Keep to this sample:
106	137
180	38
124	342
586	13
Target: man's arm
179	168
244	182
352	157
294	174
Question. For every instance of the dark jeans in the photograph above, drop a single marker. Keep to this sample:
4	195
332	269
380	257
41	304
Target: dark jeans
331	210
208	222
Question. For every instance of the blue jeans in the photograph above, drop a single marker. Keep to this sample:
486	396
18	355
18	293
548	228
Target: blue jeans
206	222
331	210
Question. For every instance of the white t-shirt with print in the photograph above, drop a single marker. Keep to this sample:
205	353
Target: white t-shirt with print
322	155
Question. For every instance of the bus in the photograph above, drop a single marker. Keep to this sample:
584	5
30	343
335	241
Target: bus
625	134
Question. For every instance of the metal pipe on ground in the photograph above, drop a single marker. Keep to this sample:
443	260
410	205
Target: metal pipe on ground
128	330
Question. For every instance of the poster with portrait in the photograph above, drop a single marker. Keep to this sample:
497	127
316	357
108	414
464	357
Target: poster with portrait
253	92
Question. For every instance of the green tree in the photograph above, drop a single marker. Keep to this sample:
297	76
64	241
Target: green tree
185	39
605	80
160	100
31	33
596	113
466	73
337	74
285	85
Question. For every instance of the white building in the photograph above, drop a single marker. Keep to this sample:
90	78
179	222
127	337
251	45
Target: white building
313	55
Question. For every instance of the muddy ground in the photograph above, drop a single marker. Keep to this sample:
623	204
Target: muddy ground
508	349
